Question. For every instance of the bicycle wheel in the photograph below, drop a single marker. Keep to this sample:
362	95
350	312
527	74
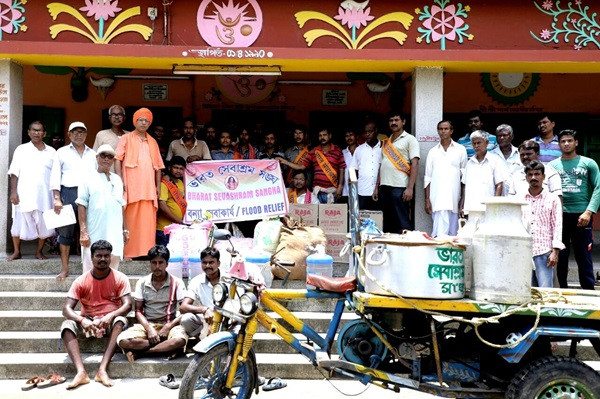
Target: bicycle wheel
206	374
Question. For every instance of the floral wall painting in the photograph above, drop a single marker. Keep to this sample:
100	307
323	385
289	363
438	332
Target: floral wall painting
355	24
443	22
510	88
101	11
231	24
574	22
11	17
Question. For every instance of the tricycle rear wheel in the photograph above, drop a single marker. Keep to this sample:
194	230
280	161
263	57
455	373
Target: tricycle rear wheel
555	377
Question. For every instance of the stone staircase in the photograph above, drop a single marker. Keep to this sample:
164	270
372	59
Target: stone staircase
31	302
30	317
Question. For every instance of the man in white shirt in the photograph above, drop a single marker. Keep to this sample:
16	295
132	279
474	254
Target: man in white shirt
30	194
197	305
484	174
298	193
72	163
444	191
189	147
116	116
529	151
366	161
348	153
505	150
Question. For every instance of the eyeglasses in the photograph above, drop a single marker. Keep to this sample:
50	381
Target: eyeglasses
106	156
119	115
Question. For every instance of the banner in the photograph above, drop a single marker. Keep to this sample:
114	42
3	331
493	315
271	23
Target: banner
234	190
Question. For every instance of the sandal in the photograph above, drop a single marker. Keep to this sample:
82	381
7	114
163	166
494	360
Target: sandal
32	383
51	380
274	383
168	381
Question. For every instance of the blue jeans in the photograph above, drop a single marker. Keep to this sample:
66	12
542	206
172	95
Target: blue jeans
543	275
580	238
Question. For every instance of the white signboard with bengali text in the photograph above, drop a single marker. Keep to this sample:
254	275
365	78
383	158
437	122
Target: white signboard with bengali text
234	190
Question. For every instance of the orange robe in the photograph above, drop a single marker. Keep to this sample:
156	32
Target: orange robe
140	161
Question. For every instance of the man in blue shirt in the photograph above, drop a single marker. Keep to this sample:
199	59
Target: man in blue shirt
548	141
474	123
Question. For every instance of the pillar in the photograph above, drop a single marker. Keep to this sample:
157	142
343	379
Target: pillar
11	121
427	111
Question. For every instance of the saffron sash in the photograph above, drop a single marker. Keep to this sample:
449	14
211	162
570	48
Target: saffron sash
239	153
176	194
326	167
395	157
293	196
299	159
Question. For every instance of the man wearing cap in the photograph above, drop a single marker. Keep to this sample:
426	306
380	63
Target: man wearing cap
72	164
116	116
30	190
100	206
139	165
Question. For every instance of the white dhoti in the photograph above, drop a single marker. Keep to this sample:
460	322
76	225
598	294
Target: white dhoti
30	226
444	222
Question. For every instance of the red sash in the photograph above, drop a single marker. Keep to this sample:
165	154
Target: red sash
176	194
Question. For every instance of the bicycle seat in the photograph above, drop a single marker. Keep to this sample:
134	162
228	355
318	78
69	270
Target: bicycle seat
332	284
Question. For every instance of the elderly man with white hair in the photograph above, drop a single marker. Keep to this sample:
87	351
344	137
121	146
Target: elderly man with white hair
506	150
484	175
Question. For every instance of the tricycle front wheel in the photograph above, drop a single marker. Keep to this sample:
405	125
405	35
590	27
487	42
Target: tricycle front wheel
555	377
206	374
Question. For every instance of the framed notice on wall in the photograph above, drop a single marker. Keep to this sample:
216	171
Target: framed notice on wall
335	97
155	92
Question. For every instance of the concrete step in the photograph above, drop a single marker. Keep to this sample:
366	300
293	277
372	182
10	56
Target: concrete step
50	320
24	365
26	300
49	341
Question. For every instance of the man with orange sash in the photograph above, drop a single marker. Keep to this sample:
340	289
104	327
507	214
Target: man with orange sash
327	163
139	165
244	148
298	194
171	202
296	154
397	176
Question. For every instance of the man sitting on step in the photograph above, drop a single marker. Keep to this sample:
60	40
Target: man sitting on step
105	299
156	295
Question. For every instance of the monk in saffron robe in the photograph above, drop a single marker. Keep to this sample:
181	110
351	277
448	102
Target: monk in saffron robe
138	162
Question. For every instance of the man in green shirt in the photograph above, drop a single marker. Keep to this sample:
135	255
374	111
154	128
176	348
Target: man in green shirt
581	196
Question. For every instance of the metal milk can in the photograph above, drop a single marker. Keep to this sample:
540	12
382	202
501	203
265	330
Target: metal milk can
465	235
502	254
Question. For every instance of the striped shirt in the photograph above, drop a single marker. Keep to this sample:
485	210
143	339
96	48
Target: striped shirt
335	158
160	306
543	217
550	151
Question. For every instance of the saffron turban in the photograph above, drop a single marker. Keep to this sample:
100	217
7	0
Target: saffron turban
142	113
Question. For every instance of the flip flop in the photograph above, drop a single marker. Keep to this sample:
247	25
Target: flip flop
31	383
168	381
274	383
261	380
51	380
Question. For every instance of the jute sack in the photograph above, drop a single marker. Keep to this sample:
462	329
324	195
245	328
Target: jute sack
294	245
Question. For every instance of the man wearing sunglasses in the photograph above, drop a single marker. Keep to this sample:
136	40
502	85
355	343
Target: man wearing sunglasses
72	164
100	207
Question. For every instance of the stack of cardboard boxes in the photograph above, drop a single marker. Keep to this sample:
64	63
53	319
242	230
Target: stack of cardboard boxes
333	219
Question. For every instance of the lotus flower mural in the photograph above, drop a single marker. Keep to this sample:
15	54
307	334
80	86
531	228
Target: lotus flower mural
11	16
355	16
101	11
442	22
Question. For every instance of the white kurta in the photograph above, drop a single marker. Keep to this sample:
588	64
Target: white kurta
33	167
443	173
366	161
348	156
480	180
104	202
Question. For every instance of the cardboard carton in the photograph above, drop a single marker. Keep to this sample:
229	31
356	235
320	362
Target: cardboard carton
333	218
335	243
377	216
309	213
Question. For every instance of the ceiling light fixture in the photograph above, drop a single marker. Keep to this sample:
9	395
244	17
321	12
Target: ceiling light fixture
226	70
315	82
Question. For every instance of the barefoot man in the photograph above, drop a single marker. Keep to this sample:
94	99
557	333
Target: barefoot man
156	295
30	190
105	299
